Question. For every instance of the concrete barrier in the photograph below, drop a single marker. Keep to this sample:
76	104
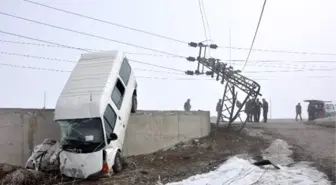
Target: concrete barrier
148	131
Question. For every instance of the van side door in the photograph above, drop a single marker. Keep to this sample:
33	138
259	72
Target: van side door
110	122
124	74
117	98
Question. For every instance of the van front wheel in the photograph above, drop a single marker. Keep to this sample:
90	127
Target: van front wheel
117	167
134	104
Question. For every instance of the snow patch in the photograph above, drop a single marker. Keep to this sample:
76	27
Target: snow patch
237	171
279	153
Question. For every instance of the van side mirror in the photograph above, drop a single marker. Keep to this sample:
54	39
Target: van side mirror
113	137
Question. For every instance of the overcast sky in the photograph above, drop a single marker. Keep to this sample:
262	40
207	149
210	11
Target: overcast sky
290	25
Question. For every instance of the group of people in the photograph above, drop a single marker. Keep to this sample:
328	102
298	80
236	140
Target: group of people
253	110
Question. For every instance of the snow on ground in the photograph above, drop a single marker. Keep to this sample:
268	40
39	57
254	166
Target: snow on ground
239	171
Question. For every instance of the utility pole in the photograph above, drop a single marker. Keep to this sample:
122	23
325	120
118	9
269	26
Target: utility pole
231	107
44	99
270	108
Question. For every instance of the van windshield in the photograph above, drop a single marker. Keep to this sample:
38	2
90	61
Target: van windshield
82	135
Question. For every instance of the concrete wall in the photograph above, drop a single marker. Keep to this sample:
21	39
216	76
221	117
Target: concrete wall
148	131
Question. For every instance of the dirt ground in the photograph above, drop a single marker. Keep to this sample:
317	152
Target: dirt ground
185	159
310	143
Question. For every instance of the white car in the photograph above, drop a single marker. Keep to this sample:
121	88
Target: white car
93	112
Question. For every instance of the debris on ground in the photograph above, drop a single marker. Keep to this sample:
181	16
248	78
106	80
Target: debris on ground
14	175
6	169
45	156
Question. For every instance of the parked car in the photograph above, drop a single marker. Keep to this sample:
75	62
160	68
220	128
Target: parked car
320	109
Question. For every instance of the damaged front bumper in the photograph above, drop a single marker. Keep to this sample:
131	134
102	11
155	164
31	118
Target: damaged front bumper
81	165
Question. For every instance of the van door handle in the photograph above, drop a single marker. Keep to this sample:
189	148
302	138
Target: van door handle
119	118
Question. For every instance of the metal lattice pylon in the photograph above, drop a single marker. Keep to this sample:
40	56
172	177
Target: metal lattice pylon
232	106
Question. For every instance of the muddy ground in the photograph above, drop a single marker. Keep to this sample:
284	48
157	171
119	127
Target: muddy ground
185	159
313	143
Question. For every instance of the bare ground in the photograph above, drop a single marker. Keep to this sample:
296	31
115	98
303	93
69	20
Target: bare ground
185	160
310	143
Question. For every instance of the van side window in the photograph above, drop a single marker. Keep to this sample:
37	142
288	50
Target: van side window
110	118
125	71
118	93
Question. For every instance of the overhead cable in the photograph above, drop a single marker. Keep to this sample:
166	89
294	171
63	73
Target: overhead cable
88	34
107	22
255	33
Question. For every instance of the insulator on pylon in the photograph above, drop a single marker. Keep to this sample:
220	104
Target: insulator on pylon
201	44
208	73
213	46
212	60
198	58
192	44
189	72
197	72
238	71
191	59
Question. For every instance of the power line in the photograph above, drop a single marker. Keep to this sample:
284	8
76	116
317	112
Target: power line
57	45
206	19
255	34
163	67
203	22
146	77
34	68
107	22
235	61
90	35
91	50
165	37
71	61
154	65
278	51
37	57
44	41
169	68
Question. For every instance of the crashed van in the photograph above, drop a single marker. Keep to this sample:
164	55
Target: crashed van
93	112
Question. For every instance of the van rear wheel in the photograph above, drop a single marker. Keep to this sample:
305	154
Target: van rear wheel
134	104
117	167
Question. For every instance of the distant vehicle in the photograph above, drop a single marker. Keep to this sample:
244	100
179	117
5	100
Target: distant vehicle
93	112
320	109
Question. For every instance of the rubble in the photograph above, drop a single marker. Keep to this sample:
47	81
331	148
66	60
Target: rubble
14	175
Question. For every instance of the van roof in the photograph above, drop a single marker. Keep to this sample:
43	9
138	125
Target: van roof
83	91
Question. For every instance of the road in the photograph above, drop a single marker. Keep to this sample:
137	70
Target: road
310	142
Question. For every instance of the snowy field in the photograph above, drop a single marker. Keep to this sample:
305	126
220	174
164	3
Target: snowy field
241	171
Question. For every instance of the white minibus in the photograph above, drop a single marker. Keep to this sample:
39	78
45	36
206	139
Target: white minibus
93	112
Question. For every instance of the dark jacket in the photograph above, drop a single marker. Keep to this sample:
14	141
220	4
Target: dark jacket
219	107
298	109
265	106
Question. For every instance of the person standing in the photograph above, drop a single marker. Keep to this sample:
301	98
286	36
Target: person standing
248	110
219	110
298	112
254	110
187	105
265	109
257	110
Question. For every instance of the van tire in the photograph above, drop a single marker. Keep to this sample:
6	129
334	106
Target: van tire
118	164
134	104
